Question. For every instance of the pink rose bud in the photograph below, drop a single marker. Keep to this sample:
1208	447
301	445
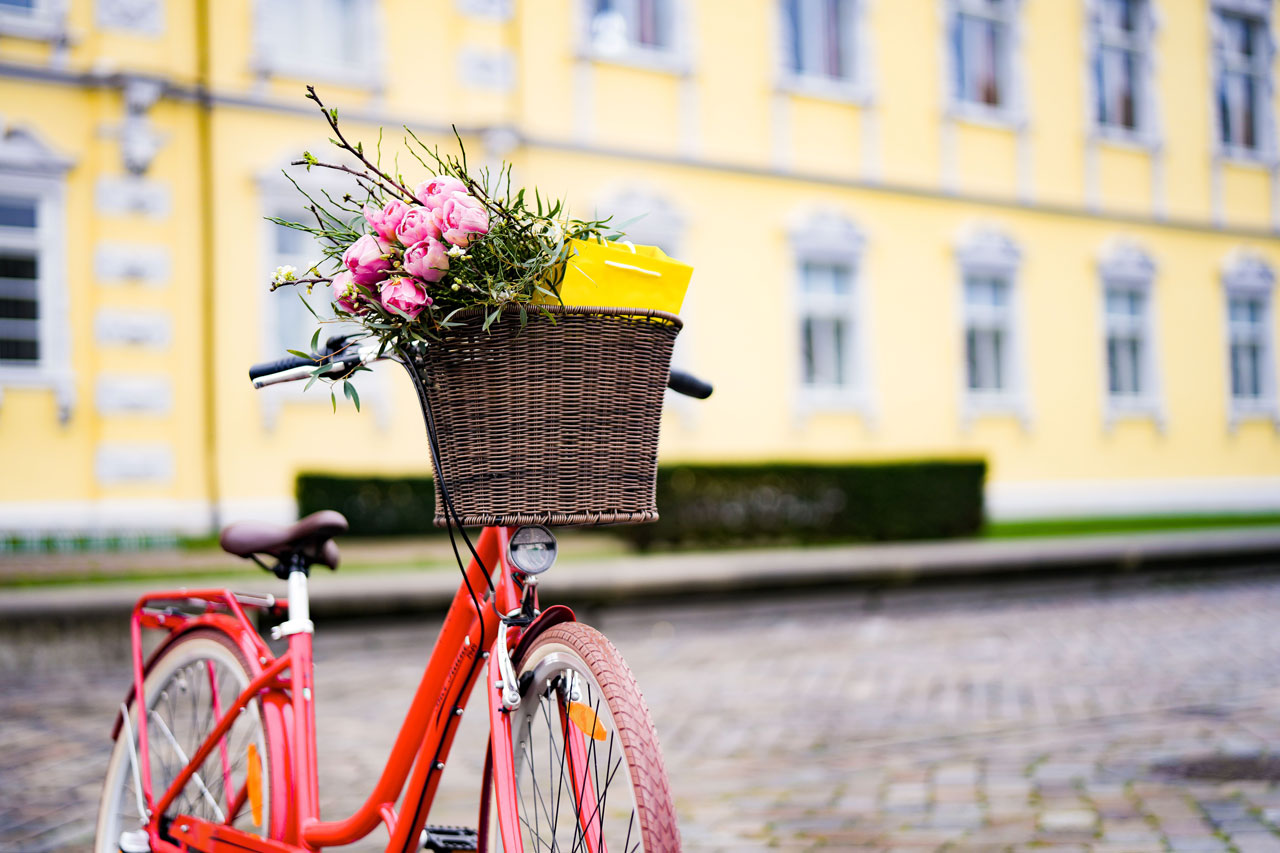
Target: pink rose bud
462	219
406	295
432	193
345	292
367	261
427	260
386	220
417	225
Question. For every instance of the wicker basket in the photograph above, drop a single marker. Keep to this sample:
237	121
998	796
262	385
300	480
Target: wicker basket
553	423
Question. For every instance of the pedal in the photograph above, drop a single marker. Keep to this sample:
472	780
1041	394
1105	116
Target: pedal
449	838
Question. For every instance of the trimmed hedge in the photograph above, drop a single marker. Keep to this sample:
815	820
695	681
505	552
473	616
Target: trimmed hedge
705	505
739	504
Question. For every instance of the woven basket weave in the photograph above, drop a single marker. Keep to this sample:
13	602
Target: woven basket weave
553	423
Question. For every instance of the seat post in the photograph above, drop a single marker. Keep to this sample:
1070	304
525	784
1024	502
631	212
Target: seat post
299	621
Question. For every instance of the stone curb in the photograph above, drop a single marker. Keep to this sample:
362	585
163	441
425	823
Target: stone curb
681	576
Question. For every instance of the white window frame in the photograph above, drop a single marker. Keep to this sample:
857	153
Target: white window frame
675	58
47	21
1142	44
1125	266
1249	275
29	168
1010	112
854	87
988	252
829	238
1264	152
269	60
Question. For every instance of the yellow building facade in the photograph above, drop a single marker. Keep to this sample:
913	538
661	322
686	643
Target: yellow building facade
1039	231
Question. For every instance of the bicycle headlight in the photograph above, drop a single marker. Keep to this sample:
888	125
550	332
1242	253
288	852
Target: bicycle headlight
532	549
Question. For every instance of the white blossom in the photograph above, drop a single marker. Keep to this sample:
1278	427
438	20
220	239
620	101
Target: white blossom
456	251
284	274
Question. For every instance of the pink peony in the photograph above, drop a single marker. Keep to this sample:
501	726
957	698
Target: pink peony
427	260
367	261
462	218
432	193
386	220
417	225
345	292
406	295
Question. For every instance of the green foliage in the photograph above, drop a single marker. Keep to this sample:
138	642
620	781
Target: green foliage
702	505
716	505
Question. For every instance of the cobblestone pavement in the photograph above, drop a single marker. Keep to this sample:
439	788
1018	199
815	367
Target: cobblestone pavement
1065	717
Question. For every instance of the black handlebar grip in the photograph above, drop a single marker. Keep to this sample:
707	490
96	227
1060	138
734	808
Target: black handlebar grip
267	368
689	385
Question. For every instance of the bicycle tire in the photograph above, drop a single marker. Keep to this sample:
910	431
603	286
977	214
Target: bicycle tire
633	769
180	689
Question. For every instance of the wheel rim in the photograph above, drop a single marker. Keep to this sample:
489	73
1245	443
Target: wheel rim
186	696
547	796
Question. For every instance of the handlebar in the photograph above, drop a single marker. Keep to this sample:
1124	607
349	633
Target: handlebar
294	368
689	385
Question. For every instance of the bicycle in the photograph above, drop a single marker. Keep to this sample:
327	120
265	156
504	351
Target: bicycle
224	759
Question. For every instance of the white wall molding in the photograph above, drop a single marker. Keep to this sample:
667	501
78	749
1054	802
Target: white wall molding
126	463
118	263
497	10
485	68
117	515
122	196
143	17
134	395
153	329
1010	501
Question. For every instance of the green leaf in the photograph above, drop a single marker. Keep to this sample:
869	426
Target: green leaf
309	308
333	399
350	391
315	340
300	354
310	382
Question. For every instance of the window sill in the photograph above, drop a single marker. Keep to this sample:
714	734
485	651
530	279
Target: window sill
1247	158
40	27
825	88
355	77
1130	140
1253	410
812	401
979	405
665	61
1122	409
999	118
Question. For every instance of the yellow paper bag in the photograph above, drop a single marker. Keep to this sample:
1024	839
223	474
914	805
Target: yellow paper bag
619	275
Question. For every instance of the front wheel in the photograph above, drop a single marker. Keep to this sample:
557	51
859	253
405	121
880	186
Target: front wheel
577	694
188	689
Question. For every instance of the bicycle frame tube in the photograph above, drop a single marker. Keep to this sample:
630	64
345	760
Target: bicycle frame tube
422	745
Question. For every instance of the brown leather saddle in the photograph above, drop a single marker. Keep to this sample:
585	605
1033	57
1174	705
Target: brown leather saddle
310	538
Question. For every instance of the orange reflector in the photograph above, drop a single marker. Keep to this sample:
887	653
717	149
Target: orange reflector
586	719
253	781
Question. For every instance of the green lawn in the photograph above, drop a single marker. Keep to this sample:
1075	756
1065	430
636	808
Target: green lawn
1140	524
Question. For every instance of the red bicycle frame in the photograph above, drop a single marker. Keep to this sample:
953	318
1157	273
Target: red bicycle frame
283	686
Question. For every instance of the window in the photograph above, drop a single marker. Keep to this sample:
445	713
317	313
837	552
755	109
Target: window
991	375
987	334
36	19
819	38
1122	35
827	326
20	264
1250	353
1127	354
832	345
1242	61
1127	275
1249	283
33	303
981	51
292	325
618	26
335	39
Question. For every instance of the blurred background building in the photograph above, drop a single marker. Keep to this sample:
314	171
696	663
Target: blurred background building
1038	231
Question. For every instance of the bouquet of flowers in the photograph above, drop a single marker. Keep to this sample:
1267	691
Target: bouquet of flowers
402	258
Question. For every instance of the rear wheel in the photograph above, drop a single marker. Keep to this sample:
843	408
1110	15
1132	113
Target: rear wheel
576	689
188	689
